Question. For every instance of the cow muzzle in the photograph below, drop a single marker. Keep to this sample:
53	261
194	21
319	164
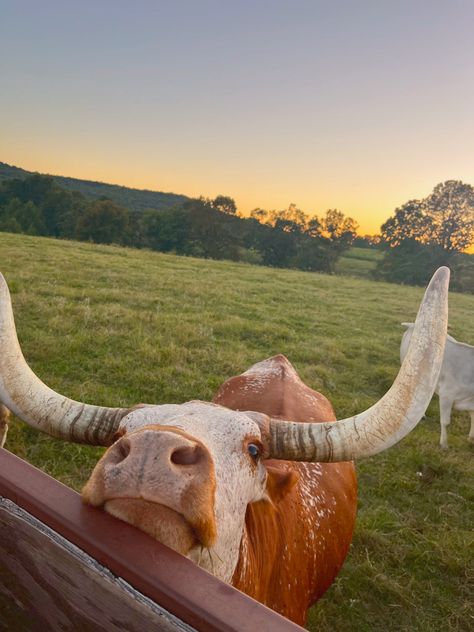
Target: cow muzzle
161	480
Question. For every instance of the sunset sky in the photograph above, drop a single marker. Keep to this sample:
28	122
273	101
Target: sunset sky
357	105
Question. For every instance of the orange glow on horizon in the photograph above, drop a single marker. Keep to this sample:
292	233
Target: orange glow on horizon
369	216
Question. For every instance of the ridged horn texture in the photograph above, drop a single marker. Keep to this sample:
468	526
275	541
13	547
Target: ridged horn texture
393	416
38	405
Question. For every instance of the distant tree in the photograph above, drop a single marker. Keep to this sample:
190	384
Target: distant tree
412	262
103	222
314	227
167	231
462	272
451	210
10	225
260	214
71	207
290	220
367	241
297	240
277	246
22	217
316	254
35	188
224	204
424	234
10	216
408	222
339	229
336	225
445	219
55	212
212	233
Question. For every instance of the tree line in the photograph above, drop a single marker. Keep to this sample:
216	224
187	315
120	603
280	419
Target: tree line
420	236
202	227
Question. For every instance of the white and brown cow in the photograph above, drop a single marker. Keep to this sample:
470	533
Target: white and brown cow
262	502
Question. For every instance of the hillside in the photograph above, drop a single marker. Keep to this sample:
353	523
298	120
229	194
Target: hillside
117	326
133	199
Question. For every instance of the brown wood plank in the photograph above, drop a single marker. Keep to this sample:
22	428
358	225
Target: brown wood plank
169	579
47	583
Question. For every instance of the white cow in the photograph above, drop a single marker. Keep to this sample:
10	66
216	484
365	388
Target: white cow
455	386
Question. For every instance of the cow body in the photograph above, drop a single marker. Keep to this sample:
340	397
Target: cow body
294	543
455	386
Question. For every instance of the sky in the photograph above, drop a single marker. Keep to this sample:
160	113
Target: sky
357	105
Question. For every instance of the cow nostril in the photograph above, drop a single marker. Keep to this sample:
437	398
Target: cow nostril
186	455
122	451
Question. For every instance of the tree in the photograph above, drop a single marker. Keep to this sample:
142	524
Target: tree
17	216
445	219
451	210
292	239
260	214
367	241
408	222
290	220
339	229
167	231
412	262
315	254
424	234
224	204
103	222
55	212
212	234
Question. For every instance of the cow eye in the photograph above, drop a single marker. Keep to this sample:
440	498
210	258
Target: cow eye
254	451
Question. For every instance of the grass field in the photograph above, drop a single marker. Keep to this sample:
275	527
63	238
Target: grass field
114	326
359	262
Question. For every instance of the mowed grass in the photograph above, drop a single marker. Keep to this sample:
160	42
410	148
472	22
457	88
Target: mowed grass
115	326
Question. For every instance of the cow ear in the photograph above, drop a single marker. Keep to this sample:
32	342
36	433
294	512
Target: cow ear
280	482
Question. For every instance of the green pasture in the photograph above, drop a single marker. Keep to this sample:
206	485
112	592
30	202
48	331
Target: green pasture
359	262
116	326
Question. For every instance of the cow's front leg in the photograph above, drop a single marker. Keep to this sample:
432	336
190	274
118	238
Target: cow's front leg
471	434
445	406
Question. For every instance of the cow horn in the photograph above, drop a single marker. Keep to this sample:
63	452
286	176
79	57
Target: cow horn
38	405
393	416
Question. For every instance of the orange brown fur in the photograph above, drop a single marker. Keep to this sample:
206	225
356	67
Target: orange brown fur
295	542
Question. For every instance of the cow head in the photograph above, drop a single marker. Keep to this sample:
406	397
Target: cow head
186	473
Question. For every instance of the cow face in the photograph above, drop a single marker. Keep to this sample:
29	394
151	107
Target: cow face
184	474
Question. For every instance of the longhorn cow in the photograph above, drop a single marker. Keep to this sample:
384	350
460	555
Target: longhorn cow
258	487
455	387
